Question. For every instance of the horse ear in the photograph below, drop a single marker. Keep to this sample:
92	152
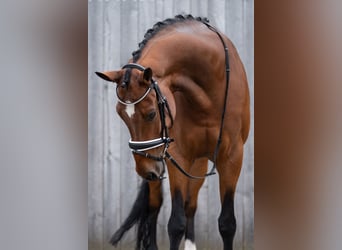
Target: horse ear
111	76
147	74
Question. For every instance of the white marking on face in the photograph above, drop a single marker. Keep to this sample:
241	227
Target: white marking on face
130	110
189	245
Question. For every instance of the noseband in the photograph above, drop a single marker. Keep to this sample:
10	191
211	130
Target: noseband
140	147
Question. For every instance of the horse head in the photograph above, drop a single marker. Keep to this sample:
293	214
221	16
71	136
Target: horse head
147	116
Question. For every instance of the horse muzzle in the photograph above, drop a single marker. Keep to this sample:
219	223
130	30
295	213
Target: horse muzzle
152	176
151	172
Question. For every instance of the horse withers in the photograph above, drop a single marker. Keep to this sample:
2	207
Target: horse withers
185	100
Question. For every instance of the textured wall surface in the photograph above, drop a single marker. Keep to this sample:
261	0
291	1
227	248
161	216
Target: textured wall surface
115	29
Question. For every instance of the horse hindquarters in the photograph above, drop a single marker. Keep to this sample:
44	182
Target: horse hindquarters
144	213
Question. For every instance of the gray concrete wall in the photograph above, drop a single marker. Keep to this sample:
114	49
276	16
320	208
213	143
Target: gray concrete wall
115	29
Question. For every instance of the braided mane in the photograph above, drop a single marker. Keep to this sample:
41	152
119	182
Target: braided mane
150	33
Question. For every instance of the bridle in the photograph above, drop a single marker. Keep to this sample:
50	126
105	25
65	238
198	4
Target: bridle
140	147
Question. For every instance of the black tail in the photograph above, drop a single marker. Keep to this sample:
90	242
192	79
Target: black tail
137	215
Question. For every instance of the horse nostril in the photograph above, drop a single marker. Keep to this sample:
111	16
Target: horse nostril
151	176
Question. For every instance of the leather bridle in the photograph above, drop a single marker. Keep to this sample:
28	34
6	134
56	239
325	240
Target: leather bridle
140	147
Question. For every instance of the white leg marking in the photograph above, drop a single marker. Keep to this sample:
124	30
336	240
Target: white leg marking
130	110
189	245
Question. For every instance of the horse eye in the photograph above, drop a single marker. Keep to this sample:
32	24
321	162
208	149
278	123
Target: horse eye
123	85
150	116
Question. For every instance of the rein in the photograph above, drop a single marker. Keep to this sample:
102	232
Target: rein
139	147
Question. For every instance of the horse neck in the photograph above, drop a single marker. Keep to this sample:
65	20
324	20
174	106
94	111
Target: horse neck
189	55
178	60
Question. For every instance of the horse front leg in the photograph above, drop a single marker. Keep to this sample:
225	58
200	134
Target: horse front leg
178	188
229	167
199	168
227	221
177	222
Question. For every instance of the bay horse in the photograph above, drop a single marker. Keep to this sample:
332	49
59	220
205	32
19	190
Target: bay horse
185	100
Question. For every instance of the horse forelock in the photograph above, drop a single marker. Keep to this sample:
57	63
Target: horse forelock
157	27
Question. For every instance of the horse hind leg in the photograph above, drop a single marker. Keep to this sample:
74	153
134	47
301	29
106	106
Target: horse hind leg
228	167
144	213
147	231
